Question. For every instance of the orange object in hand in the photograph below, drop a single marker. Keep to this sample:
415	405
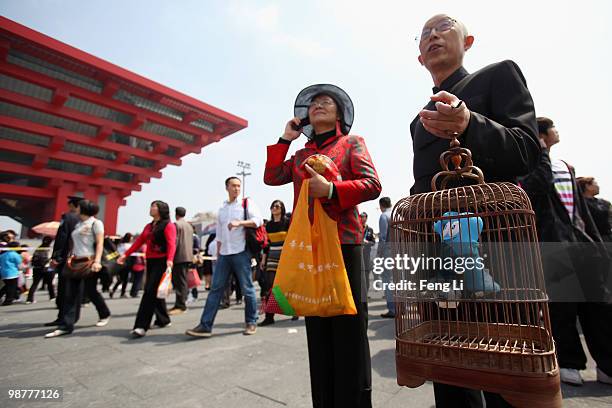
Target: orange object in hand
311	278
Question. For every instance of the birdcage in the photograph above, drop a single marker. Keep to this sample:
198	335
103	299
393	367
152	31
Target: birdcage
483	327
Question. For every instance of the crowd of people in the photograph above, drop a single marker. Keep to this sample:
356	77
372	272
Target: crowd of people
490	111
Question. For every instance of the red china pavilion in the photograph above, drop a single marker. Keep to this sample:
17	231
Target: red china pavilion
74	124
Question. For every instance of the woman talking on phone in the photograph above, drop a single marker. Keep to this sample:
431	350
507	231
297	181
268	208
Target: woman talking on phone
338	349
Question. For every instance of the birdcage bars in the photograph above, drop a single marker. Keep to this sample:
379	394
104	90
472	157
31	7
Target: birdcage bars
497	339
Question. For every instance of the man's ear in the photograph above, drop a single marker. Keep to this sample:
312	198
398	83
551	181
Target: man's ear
420	58
467	42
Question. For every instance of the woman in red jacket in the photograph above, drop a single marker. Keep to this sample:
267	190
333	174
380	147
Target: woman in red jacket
338	349
160	238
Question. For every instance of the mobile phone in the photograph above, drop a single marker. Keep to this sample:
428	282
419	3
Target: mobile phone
303	122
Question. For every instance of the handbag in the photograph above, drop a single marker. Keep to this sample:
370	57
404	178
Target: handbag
78	267
311	278
193	279
256	238
165	283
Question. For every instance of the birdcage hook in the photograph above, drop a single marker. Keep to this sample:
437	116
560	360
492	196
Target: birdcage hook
461	159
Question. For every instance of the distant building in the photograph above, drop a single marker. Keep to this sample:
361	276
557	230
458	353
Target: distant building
74	124
204	222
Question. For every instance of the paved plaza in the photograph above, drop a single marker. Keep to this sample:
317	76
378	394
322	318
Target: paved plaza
103	367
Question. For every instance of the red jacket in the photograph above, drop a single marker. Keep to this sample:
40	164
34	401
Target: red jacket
359	178
153	250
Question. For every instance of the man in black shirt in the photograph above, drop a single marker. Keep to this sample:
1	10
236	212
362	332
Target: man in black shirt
574	261
61	249
491	113
600	209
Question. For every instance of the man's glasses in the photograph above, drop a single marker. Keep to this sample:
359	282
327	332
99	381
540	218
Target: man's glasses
440	27
323	104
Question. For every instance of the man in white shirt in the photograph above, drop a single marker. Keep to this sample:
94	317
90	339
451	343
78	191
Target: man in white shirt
232	254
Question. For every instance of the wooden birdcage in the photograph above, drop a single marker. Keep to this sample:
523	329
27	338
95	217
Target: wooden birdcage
485	328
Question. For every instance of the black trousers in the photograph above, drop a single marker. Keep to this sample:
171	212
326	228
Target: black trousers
73	296
596	322
179	283
338	349
136	283
11	290
122	279
231	286
41	274
149	303
367	263
106	278
450	396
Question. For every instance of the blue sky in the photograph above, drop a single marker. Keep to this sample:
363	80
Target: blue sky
251	58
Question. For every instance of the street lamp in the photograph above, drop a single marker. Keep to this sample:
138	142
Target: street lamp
244	166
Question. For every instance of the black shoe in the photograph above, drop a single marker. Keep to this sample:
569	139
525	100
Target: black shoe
388	315
224	306
198	331
138	333
53	323
294	318
266	322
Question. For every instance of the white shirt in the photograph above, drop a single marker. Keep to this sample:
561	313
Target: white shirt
563	185
233	242
212	249
84	237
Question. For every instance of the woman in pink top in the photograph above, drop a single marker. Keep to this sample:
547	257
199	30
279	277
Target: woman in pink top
160	238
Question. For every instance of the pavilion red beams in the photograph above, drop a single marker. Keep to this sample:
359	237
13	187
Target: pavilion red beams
73	124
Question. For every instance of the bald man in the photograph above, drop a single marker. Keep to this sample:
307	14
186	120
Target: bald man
491	113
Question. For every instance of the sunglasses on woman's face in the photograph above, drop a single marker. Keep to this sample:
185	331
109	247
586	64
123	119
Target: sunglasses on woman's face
275	206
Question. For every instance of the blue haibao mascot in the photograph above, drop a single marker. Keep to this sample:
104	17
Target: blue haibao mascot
460	239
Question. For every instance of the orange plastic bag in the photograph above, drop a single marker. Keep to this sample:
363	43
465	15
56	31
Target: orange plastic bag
311	278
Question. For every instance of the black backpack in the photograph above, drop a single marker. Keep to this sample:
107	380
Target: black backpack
40	258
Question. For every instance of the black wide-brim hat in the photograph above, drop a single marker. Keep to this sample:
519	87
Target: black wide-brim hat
345	106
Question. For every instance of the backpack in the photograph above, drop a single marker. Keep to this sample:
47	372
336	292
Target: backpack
256	238
40	258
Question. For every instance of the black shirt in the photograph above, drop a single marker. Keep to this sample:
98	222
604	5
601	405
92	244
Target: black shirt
62	238
602	216
502	131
